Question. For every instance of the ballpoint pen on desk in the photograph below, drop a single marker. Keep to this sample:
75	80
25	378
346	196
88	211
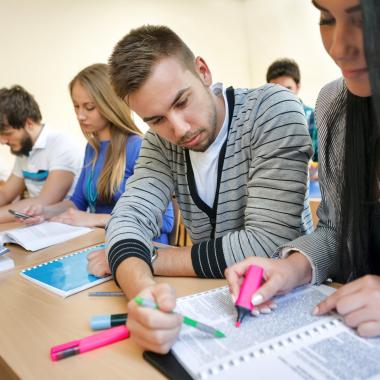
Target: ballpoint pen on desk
89	343
106	294
252	281
186	320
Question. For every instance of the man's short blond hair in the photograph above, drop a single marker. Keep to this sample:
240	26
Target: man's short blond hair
136	53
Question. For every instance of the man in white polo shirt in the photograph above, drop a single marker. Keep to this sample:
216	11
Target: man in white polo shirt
47	162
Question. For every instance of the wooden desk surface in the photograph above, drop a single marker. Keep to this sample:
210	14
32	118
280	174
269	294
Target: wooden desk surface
32	320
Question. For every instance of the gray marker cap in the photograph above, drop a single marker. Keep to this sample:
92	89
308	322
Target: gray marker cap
101	322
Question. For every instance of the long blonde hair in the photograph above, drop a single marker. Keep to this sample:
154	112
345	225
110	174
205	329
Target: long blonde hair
96	81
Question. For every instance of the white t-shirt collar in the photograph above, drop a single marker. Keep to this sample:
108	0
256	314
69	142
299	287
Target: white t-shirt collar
41	139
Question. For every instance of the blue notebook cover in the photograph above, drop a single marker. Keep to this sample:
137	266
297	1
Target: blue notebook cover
65	275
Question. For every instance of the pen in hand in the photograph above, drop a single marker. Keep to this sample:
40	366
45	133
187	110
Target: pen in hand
186	320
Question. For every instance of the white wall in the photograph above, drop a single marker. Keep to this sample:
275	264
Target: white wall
45	43
288	28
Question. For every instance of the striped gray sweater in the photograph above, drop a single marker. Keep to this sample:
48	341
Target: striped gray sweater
321	246
262	177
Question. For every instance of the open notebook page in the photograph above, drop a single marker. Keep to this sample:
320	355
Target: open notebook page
198	351
42	235
329	350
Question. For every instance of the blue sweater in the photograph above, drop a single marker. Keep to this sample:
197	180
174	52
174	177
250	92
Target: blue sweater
81	197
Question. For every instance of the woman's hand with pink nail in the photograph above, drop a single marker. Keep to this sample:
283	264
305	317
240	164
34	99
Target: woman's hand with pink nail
280	276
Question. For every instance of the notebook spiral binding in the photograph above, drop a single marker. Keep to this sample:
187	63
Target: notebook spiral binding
272	347
88	249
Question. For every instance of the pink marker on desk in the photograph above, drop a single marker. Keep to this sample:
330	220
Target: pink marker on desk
89	343
252	281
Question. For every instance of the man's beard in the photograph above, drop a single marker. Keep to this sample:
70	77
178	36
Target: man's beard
26	146
212	128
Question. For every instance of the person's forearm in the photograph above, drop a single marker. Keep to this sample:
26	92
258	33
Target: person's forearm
100	220
304	270
174	262
58	208
5	216
134	275
3	199
49	211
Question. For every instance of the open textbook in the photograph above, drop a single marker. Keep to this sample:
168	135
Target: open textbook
289	343
43	235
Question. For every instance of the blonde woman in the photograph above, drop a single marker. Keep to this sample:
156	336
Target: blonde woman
113	147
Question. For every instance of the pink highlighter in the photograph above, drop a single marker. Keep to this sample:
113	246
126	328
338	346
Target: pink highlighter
252	281
89	343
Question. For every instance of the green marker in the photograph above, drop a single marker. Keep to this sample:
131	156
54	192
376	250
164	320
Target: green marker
186	320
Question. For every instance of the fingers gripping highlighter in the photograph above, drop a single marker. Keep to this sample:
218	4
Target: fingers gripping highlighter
252	281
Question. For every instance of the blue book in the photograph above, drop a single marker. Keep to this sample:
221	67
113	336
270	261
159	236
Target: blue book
65	275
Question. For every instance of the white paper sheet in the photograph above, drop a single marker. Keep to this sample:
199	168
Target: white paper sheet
43	235
296	342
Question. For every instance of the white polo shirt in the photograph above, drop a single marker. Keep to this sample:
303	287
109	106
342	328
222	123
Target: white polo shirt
4	174
51	151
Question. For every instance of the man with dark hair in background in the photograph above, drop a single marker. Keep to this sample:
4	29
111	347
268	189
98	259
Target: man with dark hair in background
46	162
286	73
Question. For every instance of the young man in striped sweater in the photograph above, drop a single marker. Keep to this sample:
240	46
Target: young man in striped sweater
236	160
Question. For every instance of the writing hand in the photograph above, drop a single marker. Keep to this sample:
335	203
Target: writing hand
155	330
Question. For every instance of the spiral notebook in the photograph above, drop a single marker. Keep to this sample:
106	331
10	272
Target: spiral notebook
65	275
289	343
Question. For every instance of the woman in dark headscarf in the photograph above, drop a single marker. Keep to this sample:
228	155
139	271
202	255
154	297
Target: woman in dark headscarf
346	242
